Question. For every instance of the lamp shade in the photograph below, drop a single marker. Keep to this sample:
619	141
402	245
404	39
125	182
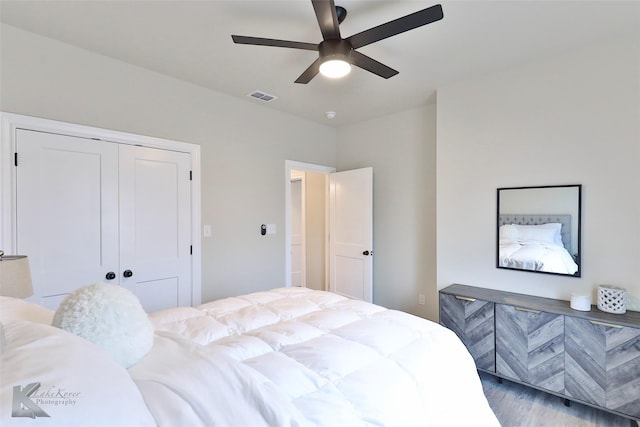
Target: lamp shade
15	276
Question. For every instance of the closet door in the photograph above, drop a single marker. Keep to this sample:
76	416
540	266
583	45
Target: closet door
155	226
66	211
93	211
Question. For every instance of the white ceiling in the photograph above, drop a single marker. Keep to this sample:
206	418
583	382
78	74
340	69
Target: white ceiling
191	40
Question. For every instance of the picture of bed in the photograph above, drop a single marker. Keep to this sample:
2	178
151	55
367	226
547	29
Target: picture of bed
536	242
539	229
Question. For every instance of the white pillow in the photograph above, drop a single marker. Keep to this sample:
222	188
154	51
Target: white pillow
17	309
109	316
558	229
509	232
549	233
79	383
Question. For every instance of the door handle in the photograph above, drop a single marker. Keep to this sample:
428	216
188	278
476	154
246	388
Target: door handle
528	310
365	253
608	325
110	275
127	273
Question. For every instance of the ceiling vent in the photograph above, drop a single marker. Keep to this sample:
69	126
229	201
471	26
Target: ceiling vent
262	96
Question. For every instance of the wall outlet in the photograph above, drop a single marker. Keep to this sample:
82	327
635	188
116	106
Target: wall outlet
421	300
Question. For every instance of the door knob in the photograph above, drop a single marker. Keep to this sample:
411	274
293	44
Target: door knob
127	273
110	275
365	253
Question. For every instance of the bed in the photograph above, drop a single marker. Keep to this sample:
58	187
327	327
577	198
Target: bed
537	243
284	357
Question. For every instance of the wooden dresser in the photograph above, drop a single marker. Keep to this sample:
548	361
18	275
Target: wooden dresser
591	357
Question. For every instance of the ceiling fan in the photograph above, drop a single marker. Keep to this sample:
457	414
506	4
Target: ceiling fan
334	50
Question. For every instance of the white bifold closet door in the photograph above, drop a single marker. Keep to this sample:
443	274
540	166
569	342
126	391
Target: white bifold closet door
91	211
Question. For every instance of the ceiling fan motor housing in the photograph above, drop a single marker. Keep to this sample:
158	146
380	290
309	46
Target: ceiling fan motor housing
335	49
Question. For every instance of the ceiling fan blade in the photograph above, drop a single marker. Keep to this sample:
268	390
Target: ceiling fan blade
371	65
310	72
259	41
327	19
397	26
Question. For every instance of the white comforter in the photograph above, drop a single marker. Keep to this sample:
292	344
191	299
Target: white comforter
536	256
287	357
298	357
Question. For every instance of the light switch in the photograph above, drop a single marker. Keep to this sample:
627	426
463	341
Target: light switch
206	230
271	229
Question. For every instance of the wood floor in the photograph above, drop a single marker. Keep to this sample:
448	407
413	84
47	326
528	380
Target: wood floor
516	405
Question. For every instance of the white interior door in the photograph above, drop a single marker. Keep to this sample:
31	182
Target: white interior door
155	226
351	233
66	211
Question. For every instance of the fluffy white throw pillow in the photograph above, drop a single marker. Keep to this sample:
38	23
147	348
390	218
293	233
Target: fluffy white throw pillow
109	316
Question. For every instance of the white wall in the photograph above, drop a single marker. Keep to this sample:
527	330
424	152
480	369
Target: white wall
401	150
569	119
244	146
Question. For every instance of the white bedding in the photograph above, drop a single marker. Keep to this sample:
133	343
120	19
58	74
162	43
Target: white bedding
76	383
286	357
536	256
323	359
534	247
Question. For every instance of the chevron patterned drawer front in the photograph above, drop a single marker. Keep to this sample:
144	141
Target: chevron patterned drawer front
602	365
530	346
472	321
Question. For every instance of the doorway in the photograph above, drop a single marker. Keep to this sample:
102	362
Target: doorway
306	224
337	231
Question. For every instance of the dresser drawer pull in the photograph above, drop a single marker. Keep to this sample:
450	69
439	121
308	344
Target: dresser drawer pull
528	310
465	298
610	325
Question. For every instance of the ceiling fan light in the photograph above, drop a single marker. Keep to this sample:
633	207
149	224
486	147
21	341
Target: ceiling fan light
335	68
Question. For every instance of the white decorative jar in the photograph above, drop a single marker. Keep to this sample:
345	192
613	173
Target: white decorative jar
581	302
612	299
